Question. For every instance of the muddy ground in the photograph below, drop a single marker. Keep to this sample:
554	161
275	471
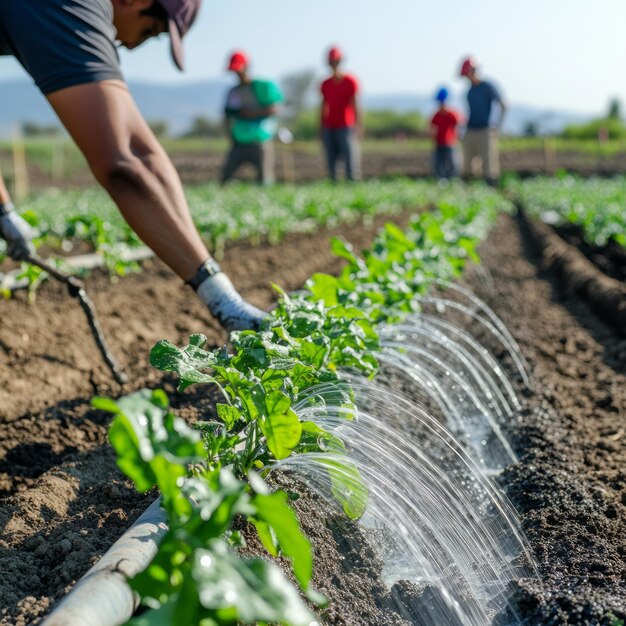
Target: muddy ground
63	501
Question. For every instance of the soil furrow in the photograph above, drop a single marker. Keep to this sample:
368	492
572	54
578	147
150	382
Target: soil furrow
579	276
570	485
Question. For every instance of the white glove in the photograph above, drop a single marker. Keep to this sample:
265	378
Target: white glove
227	305
16	232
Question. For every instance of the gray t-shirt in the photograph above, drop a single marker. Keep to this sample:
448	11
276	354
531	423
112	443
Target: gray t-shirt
61	43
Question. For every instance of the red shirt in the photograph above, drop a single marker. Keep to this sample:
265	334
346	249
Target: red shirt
339	110
446	122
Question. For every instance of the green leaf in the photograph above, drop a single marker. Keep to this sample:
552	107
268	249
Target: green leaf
314	353
469	245
105	404
267	536
316	439
248	591
186	362
280	425
218	496
347	485
228	414
279	516
397	235
343	250
166	573
324	288
153	446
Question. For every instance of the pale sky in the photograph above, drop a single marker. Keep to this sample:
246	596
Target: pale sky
566	54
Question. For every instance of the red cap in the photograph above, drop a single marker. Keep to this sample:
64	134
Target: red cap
468	66
181	14
238	61
334	55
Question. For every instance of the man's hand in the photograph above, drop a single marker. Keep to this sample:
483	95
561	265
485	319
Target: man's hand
225	303
17	233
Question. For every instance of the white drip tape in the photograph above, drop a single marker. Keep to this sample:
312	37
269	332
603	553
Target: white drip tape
102	597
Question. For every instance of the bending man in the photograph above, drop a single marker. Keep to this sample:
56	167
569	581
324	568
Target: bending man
69	49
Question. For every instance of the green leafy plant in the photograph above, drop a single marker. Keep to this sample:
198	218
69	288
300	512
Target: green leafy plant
596	205
215	472
70	220
197	577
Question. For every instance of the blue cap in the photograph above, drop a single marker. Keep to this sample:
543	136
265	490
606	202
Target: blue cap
442	95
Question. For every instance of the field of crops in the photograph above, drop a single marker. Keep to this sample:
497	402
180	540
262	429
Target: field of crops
595	205
429	428
88	219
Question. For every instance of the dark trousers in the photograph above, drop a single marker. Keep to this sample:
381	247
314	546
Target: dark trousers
444	162
260	155
341	144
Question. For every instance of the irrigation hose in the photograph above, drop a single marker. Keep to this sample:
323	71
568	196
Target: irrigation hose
102	596
77	290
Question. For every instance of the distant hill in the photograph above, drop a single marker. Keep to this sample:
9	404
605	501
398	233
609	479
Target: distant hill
179	104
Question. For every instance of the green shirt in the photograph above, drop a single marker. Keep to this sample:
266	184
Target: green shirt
254	95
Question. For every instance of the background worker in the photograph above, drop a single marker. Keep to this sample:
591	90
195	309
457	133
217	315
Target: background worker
69	49
443	129
481	138
341	119
251	121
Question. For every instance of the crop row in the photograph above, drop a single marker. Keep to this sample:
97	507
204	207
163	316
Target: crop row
214	472
66	220
594	204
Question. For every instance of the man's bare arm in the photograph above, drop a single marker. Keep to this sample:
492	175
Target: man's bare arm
131	165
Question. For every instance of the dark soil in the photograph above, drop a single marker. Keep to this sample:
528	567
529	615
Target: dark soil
570	485
63	500
578	275
610	259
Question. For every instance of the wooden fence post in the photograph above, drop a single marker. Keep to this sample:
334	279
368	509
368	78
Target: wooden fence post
549	151
21	187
